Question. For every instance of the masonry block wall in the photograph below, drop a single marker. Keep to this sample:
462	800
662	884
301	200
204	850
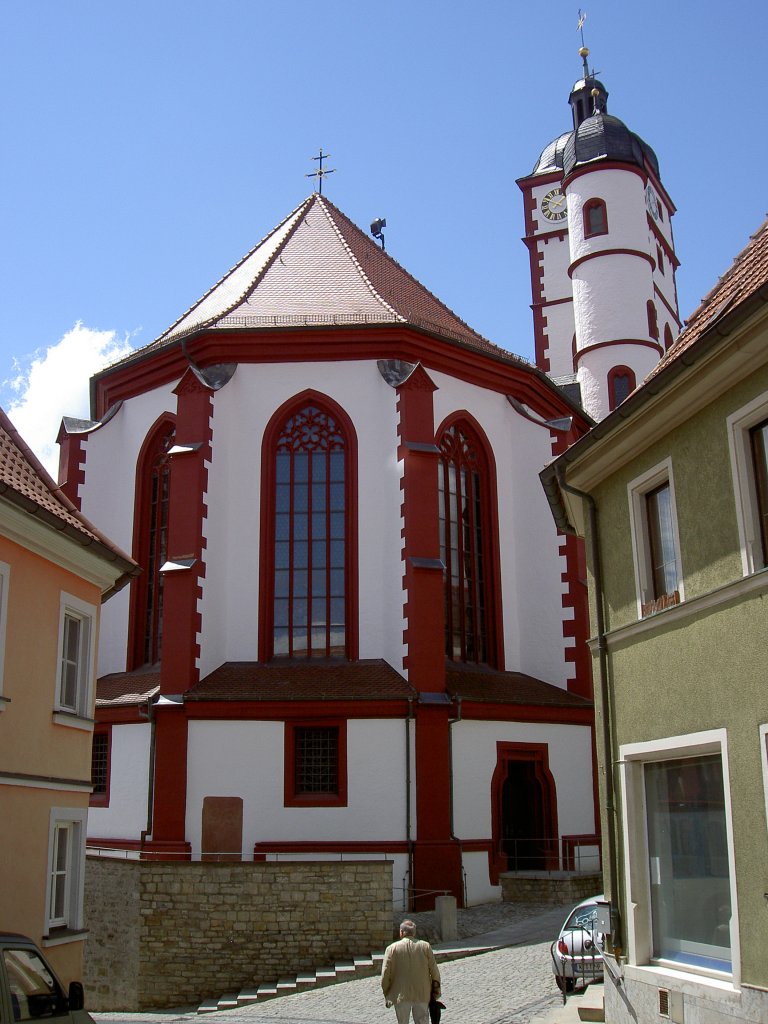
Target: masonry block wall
172	934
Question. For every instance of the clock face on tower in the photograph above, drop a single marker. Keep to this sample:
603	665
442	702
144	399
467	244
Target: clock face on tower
553	205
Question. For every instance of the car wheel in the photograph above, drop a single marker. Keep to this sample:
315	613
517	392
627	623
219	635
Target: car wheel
564	984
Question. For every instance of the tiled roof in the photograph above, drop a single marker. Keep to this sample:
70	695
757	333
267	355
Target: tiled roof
25	482
124	688
357	680
317	268
489	686
747	274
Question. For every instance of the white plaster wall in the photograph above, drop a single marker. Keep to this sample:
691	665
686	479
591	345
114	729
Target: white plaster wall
111	453
237	758
560	330
623	193
126	816
474	761
479	888
594	367
556	260
530	563
242	410
609	299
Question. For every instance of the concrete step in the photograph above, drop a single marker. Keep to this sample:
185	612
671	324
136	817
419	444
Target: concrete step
343	970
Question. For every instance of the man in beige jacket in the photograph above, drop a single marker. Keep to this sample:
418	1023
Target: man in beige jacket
409	976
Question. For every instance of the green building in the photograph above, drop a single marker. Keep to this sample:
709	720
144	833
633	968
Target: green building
670	492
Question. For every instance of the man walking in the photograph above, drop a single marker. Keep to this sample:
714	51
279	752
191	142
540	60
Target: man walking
409	976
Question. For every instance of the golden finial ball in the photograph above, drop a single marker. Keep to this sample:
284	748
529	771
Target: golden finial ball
595	92
584	52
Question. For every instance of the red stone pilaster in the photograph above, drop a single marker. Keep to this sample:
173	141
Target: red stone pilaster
436	854
181	619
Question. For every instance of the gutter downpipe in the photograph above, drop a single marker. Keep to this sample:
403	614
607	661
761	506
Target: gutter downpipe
150	716
602	650
409	840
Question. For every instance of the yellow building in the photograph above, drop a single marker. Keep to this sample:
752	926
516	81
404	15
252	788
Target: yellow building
55	570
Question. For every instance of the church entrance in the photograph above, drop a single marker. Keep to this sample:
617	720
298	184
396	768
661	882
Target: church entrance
525	834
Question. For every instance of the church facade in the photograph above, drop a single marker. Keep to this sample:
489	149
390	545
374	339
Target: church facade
358	632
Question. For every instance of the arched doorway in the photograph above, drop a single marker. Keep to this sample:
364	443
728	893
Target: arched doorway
524	802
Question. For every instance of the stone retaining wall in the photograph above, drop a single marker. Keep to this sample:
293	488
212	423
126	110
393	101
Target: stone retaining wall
172	934
548	887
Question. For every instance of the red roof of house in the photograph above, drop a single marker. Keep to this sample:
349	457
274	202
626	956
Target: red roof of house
746	275
283	681
26	483
487	685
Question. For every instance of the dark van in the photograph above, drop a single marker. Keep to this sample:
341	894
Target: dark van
29	989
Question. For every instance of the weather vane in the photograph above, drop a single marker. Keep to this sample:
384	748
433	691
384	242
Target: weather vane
321	172
580	26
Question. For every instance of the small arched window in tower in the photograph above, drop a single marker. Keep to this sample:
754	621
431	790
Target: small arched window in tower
621	383
595	218
150	541
653	320
660	259
668	339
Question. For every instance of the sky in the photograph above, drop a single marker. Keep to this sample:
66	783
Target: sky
149	144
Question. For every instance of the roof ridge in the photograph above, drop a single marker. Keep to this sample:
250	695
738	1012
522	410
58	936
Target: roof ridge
418	284
325	204
169	332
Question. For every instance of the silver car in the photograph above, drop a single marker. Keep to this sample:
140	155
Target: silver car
577	953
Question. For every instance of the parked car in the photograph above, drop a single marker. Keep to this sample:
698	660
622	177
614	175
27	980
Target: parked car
577	953
29	988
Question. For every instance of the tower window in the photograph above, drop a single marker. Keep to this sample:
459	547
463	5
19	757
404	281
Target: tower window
621	383
595	218
660	259
653	322
668	339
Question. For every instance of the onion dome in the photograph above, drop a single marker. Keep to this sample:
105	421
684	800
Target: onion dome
604	137
551	158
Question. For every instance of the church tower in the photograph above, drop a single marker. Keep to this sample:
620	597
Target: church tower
599	233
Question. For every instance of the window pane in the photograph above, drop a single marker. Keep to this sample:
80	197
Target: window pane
35	993
99	752
689	868
662	543
316	760
759	440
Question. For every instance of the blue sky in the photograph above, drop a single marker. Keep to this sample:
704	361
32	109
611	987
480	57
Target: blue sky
149	145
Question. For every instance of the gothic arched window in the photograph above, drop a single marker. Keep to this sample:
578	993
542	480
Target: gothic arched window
467	543
621	383
150	537
653	320
668	339
595	218
306	611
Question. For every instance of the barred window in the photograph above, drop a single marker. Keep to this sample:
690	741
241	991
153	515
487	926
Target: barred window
316	760
99	763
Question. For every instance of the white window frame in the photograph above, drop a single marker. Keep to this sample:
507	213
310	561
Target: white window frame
73	608
633	758
5	579
637	490
71	820
739	424
764	765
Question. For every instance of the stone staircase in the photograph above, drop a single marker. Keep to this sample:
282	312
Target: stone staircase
304	981
343	970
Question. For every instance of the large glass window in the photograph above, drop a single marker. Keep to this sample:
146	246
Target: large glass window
151	543
310	537
688	862
464	546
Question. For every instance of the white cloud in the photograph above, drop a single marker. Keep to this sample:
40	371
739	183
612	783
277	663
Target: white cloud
56	383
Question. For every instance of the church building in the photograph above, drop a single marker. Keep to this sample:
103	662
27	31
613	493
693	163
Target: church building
358	633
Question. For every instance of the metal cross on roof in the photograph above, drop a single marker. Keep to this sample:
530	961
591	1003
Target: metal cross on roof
321	172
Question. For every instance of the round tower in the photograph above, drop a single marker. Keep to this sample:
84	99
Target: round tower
605	310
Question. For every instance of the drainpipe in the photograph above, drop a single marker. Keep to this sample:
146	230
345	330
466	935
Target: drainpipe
408	836
451	723
151	773
602	651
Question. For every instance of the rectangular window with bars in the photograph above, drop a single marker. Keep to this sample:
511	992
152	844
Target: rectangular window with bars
100	750
315	764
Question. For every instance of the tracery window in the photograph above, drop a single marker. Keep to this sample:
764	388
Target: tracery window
465	545
310	593
151	542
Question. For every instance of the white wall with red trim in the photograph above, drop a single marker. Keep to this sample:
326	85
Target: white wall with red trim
126	815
